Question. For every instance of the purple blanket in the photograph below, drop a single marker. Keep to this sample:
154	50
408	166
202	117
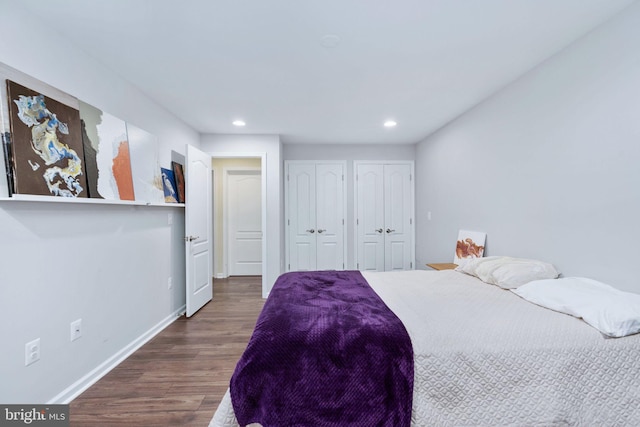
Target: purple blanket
326	351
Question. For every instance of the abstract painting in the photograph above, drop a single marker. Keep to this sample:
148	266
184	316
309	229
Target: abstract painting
90	145
107	154
46	143
122	171
470	244
169	186
145	166
178	172
7	172
8	162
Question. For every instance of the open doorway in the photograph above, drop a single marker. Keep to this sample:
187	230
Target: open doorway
239	215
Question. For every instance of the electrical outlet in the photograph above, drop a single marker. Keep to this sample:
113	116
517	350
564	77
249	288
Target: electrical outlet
76	329
169	283
31	352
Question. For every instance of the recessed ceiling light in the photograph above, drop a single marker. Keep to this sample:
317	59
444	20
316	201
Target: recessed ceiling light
239	123
390	124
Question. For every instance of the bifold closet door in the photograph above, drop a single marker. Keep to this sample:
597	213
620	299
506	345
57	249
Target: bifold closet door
370	220
330	213
301	191
315	216
398	217
384	216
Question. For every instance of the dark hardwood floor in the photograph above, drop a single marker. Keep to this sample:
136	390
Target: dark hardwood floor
179	377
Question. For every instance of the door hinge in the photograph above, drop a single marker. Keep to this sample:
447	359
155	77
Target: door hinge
411	264
288	266
343	177
342	221
410	221
288	222
343	265
410	177
357	221
358	265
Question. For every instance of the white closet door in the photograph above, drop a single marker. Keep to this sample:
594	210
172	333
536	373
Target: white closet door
316	209
398	208
384	216
302	217
329	217
370	217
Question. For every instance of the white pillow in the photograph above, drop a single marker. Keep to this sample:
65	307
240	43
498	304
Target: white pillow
508	272
611	311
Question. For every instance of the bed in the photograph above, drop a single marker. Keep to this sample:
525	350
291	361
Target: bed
483	356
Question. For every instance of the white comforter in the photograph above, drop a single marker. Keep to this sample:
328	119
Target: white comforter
486	357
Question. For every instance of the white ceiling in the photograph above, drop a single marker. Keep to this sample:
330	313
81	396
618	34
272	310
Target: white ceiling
420	62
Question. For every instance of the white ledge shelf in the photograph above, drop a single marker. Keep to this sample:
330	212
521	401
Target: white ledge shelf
81	200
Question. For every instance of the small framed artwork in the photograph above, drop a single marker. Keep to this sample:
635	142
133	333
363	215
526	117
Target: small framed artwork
178	173
169	186
470	244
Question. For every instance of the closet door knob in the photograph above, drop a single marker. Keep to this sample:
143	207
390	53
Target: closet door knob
321	231
311	231
379	230
390	230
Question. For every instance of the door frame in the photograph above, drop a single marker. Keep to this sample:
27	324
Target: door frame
225	215
345	207
412	208
263	177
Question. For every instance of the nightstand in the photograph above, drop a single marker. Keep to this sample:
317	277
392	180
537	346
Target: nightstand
443	266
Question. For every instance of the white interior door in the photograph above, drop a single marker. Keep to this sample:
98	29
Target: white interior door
316	209
398	217
198	235
329	216
384	216
301	200
244	222
370	217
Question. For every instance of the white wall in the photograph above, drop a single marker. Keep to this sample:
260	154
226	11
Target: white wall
349	152
106	264
270	146
549	167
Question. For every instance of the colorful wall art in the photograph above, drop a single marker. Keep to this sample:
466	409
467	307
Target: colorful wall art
8	166
90	145
169	186
470	244
178	173
53	144
110	173
145	166
46	143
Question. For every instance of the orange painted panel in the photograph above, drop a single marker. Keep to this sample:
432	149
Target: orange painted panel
122	172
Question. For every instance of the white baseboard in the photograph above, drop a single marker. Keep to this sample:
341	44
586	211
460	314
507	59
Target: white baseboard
220	276
75	389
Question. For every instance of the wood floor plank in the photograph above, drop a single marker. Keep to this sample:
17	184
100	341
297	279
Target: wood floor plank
180	376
